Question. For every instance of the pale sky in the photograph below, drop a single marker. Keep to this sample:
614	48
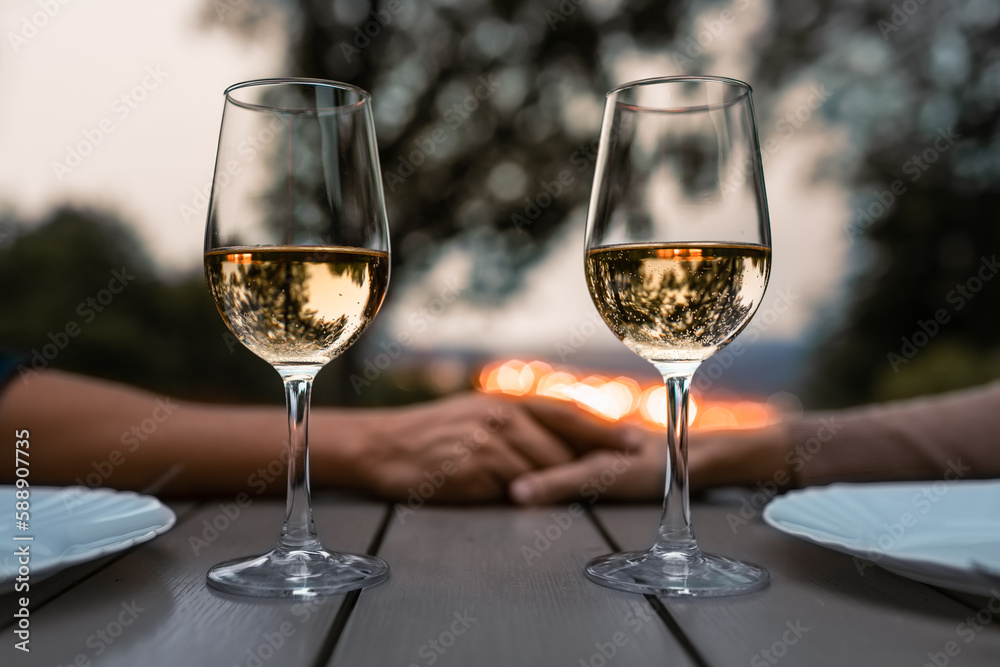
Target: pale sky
73	73
138	86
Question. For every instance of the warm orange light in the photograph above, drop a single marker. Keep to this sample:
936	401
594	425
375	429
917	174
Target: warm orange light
678	252
717	417
616	399
625	392
239	257
654	406
553	384
750	413
539	369
593	400
515	378
488	379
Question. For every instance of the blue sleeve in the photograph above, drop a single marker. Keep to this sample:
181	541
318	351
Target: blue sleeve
8	367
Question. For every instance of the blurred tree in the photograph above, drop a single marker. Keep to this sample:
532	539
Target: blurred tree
918	86
481	105
88	299
85	298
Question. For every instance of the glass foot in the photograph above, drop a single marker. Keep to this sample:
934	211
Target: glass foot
677	575
297	573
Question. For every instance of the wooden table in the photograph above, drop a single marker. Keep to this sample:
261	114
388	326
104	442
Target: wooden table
482	586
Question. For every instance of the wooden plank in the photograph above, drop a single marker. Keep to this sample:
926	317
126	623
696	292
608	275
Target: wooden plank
59	582
873	617
499	586
152	607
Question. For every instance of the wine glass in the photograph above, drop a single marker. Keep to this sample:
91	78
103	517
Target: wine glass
677	260
297	260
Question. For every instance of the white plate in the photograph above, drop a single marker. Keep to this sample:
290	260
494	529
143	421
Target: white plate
941	533
75	524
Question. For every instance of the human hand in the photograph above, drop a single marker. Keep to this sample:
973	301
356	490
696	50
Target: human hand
467	447
715	458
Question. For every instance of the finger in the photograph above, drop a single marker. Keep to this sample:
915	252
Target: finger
540	446
581	430
564	482
500	459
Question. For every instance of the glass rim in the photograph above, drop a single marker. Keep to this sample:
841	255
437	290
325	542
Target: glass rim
743	86
363	95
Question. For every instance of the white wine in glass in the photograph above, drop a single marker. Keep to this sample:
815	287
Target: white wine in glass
297	261
678	254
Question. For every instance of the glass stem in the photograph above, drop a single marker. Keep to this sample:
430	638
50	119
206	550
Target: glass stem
675	535
299	531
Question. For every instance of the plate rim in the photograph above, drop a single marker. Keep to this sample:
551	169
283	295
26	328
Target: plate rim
916	566
166	519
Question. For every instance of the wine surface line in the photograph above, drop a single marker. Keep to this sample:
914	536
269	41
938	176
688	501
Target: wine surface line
296	305
677	301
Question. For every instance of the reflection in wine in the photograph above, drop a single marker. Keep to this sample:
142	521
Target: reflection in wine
296	305
677	302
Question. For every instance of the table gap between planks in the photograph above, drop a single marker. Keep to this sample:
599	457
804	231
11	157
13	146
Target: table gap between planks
485	586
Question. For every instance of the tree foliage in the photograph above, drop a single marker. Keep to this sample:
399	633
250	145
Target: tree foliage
487	115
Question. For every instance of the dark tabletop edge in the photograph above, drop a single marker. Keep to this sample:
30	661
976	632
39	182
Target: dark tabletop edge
66	580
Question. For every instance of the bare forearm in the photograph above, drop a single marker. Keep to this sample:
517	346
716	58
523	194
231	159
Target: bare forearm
97	433
740	457
947	436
